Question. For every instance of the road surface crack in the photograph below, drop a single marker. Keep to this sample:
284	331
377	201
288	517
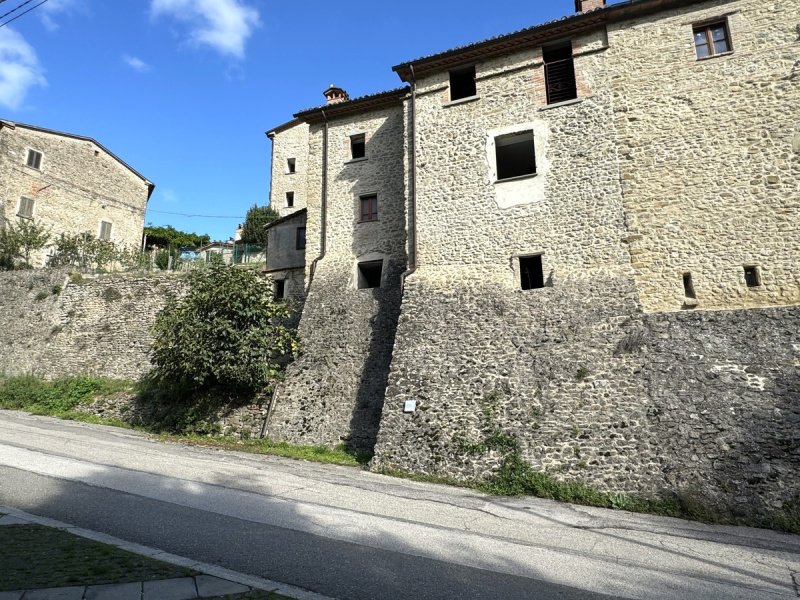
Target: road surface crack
795	582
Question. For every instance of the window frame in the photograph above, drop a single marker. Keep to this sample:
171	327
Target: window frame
300	239
706	27
497	161
38	163
357	138
110	230
23	199
372	204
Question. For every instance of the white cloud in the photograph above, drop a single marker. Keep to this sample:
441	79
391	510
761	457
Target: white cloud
49	10
137	64
19	68
224	25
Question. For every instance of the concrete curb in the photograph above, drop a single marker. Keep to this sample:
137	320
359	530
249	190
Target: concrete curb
214	570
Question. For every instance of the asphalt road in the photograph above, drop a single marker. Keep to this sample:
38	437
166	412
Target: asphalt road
350	534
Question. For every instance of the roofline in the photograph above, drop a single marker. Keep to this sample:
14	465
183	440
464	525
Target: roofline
362	104
214	245
13	125
534	36
288	217
282	127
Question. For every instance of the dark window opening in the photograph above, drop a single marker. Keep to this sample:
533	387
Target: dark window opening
462	83
25	208
300	238
358	146
710	40
530	272
369	208
34	159
279	289
290	165
369	274
752	277
516	155
688	286
559	73
289	199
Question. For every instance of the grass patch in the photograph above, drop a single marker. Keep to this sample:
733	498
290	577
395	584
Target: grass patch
57	397
33	556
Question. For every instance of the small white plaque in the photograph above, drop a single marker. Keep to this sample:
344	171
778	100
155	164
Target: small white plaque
410	406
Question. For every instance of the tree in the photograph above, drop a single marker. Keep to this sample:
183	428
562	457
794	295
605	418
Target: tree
253	228
20	242
169	237
227	331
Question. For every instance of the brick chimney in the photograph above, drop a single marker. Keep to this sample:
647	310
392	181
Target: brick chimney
583	6
335	95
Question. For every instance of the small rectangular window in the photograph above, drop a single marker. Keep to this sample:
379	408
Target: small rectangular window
105	231
279	289
358	146
369	274
752	277
289	199
462	83
559	73
300	238
516	155
25	208
290	165
34	159
531	272
688	286
712	39
369	208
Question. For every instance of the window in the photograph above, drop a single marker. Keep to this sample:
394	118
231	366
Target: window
290	165
688	286
105	231
369	208
712	39
34	159
279	289
369	274
559	73
300	238
752	277
462	83
358	146
25	208
289	199
530	272
516	155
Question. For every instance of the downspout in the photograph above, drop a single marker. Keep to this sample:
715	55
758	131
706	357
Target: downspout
323	205
412	184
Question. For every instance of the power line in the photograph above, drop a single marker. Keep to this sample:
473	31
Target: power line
13	10
164	212
22	14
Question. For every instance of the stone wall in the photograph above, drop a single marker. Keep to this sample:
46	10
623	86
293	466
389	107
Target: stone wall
700	404
99	326
289	142
706	152
77	186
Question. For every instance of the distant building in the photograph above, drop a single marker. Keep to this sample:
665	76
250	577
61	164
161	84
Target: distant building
222	249
70	184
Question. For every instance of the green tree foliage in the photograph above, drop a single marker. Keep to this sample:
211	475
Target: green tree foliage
169	237
253	228
226	331
85	252
20	241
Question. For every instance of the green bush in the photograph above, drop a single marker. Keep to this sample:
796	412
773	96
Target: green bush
226	332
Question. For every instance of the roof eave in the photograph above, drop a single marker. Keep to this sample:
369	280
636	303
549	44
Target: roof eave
363	104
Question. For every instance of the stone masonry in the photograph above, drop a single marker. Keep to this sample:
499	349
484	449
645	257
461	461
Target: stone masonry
78	185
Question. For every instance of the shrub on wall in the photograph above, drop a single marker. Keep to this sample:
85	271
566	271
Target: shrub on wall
226	331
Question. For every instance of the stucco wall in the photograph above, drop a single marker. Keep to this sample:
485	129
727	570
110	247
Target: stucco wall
77	186
706	156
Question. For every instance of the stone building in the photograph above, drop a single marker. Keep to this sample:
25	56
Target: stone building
69	184
588	239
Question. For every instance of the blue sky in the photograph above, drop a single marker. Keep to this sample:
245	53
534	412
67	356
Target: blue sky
183	90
